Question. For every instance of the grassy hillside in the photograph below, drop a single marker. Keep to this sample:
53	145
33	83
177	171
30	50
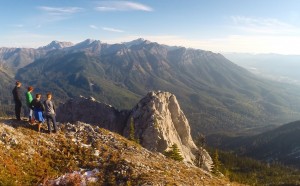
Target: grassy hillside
30	158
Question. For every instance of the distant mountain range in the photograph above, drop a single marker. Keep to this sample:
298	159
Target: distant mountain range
215	94
278	145
282	68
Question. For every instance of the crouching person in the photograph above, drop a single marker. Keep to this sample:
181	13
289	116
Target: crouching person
50	113
38	108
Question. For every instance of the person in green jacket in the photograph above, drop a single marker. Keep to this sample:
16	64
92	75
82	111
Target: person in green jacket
28	102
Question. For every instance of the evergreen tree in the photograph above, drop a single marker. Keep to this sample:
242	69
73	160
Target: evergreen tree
132	131
200	143
173	153
217	163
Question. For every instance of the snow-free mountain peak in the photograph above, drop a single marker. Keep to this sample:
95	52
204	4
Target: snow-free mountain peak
136	42
88	43
56	45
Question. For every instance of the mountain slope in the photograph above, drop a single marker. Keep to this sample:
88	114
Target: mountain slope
278	145
14	58
283	68
215	94
6	86
30	158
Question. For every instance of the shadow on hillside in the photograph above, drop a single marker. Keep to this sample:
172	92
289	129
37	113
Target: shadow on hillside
23	124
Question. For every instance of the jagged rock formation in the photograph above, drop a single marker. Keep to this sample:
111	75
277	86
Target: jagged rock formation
89	110
158	121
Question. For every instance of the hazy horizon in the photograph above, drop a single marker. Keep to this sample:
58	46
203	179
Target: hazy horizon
218	26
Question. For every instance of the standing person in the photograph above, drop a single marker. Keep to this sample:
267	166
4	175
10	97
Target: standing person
50	113
28	101
38	108
17	98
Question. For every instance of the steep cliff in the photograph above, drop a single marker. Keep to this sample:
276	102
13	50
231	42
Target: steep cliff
157	119
159	123
90	111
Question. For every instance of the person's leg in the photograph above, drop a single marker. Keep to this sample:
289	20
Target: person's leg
31	116
16	111
54	122
39	126
48	122
40	119
29	113
18	106
26	112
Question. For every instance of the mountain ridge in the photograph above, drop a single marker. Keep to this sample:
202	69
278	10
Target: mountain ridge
215	94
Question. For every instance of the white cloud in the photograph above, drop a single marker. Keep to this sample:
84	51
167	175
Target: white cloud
112	29
94	27
122	6
54	14
57	11
262	25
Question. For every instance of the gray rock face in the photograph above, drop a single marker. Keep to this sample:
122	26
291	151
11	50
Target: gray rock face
158	122
93	112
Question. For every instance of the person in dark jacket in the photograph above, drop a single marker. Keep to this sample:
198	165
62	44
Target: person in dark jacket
50	113
38	109
17	98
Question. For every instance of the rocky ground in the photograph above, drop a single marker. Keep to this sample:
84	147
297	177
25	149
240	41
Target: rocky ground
81	154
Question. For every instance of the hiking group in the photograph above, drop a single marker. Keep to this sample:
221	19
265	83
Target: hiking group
36	109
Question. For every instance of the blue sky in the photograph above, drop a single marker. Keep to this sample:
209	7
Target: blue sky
256	26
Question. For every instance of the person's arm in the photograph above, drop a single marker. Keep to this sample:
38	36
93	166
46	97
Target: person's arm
31	105
18	96
42	106
54	108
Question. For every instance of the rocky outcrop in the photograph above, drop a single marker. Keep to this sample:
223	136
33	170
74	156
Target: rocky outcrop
157	119
82	154
159	123
90	111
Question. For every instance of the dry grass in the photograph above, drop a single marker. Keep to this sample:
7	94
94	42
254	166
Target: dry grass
37	158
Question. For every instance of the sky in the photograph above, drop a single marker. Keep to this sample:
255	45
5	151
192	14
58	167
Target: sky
248	26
